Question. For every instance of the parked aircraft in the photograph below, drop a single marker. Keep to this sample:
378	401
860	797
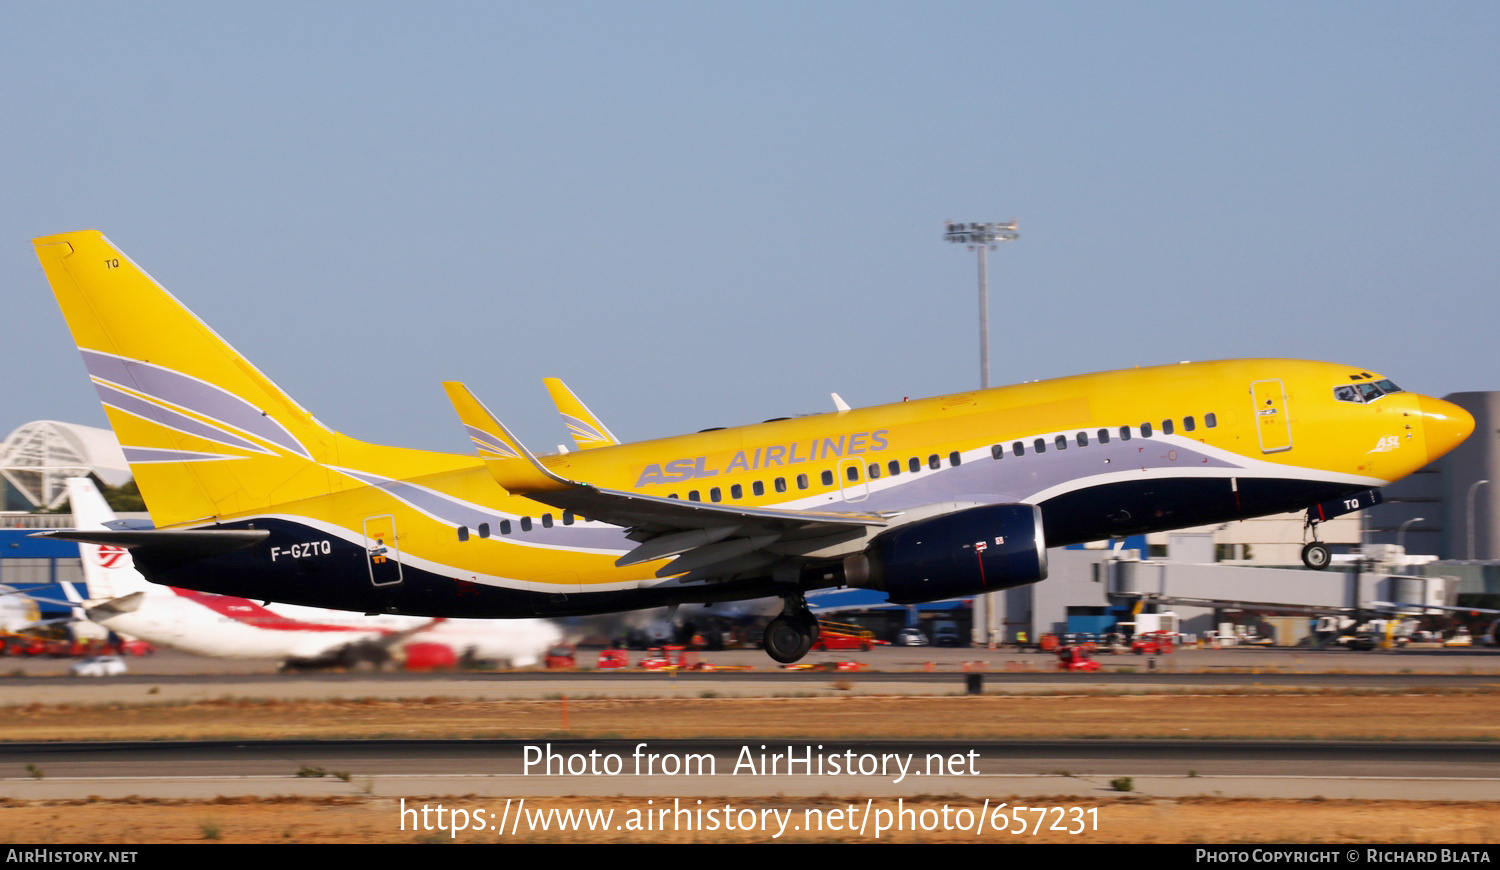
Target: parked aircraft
18	611
927	499
224	626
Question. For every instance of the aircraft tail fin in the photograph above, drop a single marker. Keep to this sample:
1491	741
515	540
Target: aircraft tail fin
108	569
588	430
206	434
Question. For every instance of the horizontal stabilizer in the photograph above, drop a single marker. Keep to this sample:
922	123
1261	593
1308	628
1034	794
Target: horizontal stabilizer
189	543
115	607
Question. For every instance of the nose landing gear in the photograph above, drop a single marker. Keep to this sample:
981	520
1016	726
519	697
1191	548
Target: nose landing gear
1315	553
1316	556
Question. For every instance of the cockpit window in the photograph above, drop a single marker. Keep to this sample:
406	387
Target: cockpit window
1367	391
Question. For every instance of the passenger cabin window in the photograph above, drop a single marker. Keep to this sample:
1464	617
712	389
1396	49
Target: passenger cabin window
463	533
934	462
852	472
715	494
758	488
914	464
1188	425
1103	436
1145	430
997	451
693	495
781	484
1061	441
1039	445
1124	433
1210	420
525	524
874	471
894	466
736	492
567	518
802	481
1166	427
505	527
827	477
484	530
546	521
1083	439
1018	448
955	458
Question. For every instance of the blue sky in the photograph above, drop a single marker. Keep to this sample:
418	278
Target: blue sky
704	214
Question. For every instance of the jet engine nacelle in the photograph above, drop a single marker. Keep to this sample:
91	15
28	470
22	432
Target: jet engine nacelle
981	549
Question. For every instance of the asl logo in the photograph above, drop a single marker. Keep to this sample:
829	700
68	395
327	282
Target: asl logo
676	470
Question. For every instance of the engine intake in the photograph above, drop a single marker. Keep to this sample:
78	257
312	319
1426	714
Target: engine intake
982	549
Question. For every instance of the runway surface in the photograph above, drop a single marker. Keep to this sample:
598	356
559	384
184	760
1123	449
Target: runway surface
174	677
752	767
494	768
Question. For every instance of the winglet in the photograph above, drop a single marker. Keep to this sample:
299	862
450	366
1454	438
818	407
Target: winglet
588	430
510	463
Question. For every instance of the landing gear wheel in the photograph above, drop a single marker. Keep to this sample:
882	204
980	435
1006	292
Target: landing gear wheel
1316	555
788	637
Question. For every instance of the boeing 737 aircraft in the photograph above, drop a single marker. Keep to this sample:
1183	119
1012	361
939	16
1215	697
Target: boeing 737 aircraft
224	626
929	499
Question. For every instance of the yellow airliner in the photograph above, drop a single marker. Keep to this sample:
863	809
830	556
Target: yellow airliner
952	496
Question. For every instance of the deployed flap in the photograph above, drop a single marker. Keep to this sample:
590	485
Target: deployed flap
588	430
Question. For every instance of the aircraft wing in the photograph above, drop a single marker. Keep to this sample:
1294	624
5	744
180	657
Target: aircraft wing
709	539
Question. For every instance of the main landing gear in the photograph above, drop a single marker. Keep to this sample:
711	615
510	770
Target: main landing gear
791	634
1315	554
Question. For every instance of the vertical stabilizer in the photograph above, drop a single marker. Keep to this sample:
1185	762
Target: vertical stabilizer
206	434
108	570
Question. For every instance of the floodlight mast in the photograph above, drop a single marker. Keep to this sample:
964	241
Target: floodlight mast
983	237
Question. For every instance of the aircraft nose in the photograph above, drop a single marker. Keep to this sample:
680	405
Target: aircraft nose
1444	425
